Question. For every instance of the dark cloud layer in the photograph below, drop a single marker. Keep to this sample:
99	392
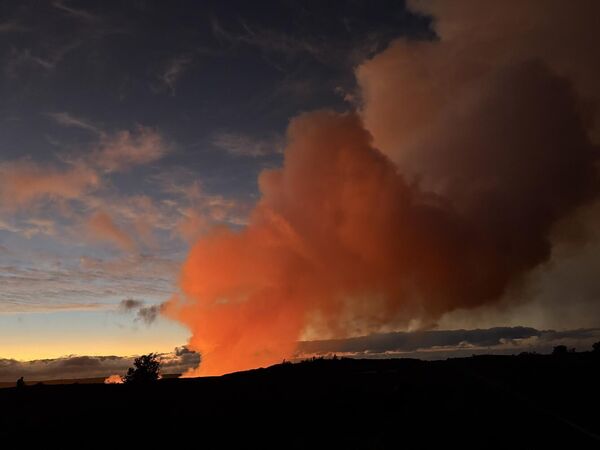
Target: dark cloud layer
439	344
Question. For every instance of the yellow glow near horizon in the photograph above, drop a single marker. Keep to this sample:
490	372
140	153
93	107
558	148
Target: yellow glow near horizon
56	350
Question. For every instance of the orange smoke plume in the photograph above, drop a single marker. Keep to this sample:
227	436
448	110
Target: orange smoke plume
477	164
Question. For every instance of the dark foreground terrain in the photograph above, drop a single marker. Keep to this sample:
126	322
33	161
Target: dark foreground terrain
530	401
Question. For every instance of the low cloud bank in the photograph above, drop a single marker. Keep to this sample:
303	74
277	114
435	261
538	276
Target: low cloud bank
441	344
67	367
438	344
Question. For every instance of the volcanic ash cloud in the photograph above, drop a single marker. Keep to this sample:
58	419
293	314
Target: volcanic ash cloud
439	194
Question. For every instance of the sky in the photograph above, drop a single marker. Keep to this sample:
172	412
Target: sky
185	173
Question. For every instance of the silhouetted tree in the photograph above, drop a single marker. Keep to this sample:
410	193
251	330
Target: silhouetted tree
146	370
560	350
20	383
596	347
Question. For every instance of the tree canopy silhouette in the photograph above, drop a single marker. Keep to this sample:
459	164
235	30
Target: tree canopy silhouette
560	350
146	370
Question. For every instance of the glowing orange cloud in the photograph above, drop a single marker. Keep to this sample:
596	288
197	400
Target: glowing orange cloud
439	194
113	379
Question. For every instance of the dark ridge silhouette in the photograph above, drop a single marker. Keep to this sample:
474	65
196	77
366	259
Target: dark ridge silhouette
520	401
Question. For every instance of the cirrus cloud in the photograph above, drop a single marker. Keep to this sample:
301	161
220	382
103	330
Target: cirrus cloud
100	226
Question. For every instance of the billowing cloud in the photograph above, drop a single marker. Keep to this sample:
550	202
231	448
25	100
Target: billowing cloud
441	193
478	43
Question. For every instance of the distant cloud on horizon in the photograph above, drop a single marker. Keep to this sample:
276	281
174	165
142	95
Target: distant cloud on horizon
441	344
75	367
427	345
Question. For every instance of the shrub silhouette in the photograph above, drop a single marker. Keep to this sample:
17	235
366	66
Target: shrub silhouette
20	383
146	370
559	350
596	347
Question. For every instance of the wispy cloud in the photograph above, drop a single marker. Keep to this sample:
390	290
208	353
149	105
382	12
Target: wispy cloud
268	40
24	182
346	52
37	283
130	304
144	313
48	59
30	227
12	27
101	226
126	149
75	12
192	210
239	144
174	70
68	120
28	307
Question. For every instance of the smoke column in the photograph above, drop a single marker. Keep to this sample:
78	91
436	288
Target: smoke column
440	192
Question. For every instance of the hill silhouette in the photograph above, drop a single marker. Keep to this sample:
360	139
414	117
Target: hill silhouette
525	401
